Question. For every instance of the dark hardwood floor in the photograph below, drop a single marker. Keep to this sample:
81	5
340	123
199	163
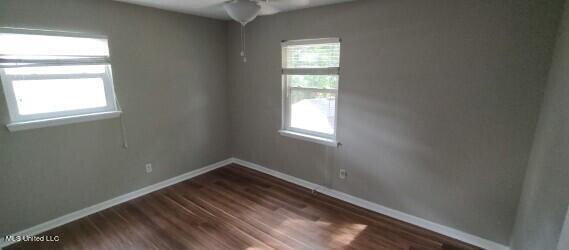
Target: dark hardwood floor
237	208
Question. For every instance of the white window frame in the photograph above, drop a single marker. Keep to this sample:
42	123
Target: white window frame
23	122
15	116
286	128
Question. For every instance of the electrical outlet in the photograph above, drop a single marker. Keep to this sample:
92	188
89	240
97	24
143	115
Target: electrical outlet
343	174
148	167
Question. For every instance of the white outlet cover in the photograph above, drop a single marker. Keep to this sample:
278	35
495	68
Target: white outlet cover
148	168
343	174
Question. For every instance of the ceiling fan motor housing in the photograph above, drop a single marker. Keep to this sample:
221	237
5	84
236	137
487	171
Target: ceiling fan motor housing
242	11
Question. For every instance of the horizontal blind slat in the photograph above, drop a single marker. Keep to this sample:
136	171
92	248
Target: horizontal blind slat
311	71
15	63
331	91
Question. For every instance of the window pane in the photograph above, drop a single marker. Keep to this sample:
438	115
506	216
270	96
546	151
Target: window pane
313	56
56	70
314	111
55	95
313	81
42	45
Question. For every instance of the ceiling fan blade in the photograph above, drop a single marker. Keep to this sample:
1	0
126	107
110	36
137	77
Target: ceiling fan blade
287	4
268	8
214	8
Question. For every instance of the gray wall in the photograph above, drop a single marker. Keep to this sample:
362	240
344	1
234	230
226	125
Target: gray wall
170	78
437	110
545	196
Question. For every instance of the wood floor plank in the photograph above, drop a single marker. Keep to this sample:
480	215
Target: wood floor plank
253	232
331	209
238	208
257	216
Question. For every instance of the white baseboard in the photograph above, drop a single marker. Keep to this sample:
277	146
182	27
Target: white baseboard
448	231
444	230
46	226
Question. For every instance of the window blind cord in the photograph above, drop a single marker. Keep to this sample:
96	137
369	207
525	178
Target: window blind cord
123	127
243	43
327	168
325	182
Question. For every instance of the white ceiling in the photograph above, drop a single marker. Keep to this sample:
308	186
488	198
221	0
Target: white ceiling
214	8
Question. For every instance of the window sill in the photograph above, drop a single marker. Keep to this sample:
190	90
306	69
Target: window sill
19	126
310	138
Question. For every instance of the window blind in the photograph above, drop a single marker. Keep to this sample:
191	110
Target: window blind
19	50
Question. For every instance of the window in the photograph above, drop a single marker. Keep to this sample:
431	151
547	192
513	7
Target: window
310	89
51	79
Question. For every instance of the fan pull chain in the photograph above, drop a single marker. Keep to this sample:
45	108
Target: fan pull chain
243	44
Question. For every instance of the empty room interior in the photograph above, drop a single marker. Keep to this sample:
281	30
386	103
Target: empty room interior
284	124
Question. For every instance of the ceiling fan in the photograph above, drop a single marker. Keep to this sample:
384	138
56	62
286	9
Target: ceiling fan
245	11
